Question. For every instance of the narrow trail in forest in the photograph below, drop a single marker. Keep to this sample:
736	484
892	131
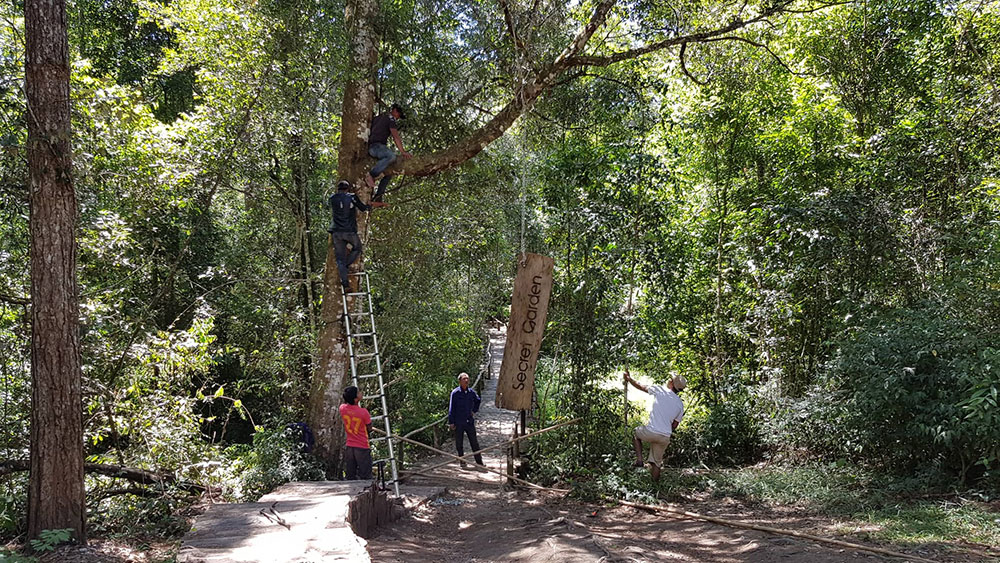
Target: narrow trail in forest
493	426
479	520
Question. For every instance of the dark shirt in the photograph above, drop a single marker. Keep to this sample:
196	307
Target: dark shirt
345	214
381	126
462	405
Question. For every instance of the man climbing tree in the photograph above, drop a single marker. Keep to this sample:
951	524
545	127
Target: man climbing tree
344	228
384	125
538	69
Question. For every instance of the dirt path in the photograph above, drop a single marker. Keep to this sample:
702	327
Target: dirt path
478	520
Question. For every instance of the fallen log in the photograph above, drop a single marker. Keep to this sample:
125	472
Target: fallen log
770	530
135	475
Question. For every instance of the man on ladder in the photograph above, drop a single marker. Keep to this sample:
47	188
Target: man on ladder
344	228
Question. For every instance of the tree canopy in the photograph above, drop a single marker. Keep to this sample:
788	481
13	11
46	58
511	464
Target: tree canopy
792	203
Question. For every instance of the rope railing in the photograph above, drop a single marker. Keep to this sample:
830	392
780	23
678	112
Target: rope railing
485	369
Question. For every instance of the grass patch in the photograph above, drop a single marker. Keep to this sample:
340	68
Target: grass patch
941	522
890	509
896	510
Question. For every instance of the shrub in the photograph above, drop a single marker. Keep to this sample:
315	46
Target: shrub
920	390
273	459
728	433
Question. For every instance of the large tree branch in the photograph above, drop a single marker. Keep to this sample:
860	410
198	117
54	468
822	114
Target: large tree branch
524	97
780	8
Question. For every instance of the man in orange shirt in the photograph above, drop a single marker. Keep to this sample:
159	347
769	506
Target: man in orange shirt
357	424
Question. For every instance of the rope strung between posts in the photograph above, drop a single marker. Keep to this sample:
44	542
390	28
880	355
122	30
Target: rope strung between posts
467	457
490	469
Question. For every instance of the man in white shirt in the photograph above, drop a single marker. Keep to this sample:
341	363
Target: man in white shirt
666	414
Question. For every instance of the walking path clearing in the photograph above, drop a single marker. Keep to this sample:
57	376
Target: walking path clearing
478	520
493	426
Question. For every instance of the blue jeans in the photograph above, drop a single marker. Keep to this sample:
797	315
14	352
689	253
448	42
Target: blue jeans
385	156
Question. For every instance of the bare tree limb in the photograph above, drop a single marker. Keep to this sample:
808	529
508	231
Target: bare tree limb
701	36
135	475
508	19
14	300
763	46
685	70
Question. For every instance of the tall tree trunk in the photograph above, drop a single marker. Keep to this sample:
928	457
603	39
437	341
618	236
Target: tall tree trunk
333	371
55	489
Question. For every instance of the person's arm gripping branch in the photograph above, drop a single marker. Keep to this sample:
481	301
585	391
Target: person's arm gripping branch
451	410
635	383
360	204
398	140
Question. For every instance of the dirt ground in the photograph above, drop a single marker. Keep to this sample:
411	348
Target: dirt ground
480	521
476	523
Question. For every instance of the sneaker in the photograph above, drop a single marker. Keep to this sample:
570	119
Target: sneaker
379	204
465	465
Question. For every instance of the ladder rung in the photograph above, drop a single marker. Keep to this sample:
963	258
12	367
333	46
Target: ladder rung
357	293
361	334
368	376
365	356
378	417
362	273
379	439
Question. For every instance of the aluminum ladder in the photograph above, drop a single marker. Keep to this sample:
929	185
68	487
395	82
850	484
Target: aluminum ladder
362	347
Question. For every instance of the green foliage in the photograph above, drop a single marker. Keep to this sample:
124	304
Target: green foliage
7	556
48	540
728	433
159	516
919	387
273	459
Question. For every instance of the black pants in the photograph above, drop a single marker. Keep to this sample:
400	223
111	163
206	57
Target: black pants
358	462
470	429
345	259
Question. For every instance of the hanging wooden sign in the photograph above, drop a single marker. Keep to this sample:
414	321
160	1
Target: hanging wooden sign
528	309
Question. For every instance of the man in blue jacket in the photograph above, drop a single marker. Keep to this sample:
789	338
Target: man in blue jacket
463	405
343	227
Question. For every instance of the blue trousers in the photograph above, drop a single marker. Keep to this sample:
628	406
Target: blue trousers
385	157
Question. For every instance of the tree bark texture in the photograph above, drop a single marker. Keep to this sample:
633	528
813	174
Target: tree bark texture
333	372
55	489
